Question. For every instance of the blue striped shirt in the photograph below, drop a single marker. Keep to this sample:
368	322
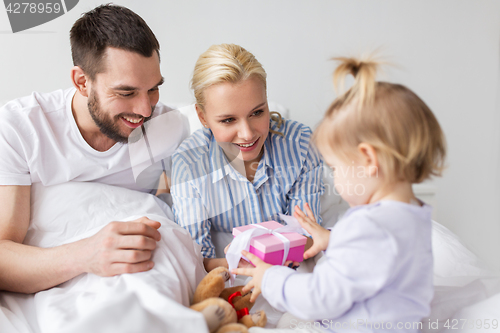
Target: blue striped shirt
209	194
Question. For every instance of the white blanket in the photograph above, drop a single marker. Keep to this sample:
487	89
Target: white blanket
153	301
156	301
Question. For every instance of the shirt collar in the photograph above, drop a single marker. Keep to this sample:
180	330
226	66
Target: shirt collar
268	151
221	167
261	175
218	160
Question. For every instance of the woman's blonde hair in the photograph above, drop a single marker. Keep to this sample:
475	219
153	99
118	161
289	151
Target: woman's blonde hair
406	135
224	63
227	63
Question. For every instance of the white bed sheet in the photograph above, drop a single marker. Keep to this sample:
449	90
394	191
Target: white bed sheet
153	301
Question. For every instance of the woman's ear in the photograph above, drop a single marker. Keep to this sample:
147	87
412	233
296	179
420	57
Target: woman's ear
201	115
368	158
80	80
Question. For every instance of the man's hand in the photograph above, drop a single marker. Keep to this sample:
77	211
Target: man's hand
121	247
320	235
256	272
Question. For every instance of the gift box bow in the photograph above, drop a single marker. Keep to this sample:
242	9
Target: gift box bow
242	241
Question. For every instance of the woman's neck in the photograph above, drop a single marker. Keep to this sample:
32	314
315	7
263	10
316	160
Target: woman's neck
247	168
251	169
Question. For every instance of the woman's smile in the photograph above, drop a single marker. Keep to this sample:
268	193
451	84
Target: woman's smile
247	146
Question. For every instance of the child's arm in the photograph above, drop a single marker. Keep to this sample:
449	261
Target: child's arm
357	266
320	235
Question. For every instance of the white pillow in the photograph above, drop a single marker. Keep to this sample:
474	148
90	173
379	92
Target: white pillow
461	282
451	258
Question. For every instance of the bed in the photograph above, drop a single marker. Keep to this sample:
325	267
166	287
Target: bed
156	301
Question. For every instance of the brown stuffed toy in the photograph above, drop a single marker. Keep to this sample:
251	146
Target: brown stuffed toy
225	309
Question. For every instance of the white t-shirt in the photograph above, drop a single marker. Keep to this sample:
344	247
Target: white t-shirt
40	142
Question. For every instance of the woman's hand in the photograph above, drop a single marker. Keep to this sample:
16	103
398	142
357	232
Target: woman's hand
213	263
256	272
320	235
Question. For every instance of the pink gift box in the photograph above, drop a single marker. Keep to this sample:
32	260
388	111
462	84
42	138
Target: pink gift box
269	248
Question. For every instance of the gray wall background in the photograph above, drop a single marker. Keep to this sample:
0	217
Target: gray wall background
447	51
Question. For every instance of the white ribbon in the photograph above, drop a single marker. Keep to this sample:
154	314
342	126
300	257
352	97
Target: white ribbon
242	241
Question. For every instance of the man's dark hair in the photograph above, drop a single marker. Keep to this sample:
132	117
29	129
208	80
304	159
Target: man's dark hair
109	26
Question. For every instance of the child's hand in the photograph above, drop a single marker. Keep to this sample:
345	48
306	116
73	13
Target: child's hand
243	263
320	235
256	272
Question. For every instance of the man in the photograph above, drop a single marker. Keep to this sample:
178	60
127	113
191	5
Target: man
80	134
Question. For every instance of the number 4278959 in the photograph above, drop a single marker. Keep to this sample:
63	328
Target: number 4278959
32	8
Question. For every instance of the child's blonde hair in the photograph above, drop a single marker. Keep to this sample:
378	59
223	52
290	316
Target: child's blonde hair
403	130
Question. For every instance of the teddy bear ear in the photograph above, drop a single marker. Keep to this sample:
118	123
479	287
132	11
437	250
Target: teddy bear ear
211	285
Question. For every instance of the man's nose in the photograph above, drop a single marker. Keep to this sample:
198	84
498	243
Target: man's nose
143	105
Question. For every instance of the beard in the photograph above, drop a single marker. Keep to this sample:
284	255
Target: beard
107	125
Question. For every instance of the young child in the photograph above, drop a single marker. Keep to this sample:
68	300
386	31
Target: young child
379	138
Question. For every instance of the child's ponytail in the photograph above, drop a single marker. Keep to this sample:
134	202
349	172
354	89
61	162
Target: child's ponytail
390	117
364	72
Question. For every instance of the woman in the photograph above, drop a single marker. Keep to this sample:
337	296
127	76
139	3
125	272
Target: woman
246	165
